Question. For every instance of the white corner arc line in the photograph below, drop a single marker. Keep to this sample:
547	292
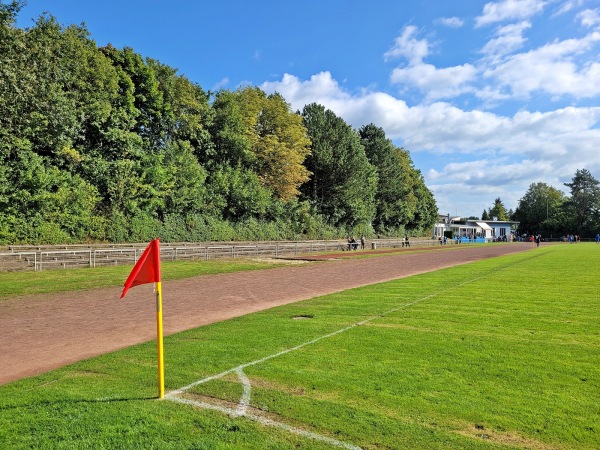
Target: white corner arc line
245	400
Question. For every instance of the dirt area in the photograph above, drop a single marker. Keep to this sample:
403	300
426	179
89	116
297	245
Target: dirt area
44	332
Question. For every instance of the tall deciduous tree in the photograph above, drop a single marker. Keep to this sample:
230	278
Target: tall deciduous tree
540	210
584	203
426	211
343	182
263	134
186	114
402	198
394	206
281	148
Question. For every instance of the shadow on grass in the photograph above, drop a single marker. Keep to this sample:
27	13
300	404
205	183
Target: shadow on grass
46	403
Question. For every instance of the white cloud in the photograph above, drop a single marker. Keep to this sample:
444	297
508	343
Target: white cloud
508	39
567	6
504	10
589	18
221	84
451	22
407	46
504	153
436	83
551	68
441	127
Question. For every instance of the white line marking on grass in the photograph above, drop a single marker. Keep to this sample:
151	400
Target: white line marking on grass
245	400
267	422
244	403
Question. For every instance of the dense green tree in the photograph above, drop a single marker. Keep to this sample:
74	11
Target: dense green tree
343	183
185	193
142	84
402	199
426	211
394	188
584	204
261	133
100	143
36	193
498	211
186	113
237	193
540	210
232	144
281	147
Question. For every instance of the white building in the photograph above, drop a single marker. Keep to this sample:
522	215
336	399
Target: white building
477	230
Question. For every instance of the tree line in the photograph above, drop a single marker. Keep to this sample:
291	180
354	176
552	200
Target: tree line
101	144
548	211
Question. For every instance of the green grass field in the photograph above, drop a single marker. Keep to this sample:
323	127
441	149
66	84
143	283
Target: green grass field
502	353
23	283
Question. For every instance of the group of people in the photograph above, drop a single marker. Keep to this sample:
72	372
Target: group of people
353	243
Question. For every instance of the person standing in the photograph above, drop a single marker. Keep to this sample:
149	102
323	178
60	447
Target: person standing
362	242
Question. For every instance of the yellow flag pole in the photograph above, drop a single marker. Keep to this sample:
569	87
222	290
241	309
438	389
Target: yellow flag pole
159	341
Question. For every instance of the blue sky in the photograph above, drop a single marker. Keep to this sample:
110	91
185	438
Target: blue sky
488	97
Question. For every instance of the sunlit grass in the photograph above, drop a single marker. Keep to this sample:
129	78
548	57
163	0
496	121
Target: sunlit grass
501	353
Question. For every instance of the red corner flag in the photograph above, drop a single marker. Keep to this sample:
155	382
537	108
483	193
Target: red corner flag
147	269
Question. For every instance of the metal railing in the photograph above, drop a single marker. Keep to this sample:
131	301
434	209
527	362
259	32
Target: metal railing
22	257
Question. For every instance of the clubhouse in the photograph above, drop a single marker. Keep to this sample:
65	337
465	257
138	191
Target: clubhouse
471	230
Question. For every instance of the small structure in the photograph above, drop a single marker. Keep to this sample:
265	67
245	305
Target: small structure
474	230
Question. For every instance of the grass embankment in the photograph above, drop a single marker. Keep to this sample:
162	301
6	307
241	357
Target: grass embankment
501	353
24	283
